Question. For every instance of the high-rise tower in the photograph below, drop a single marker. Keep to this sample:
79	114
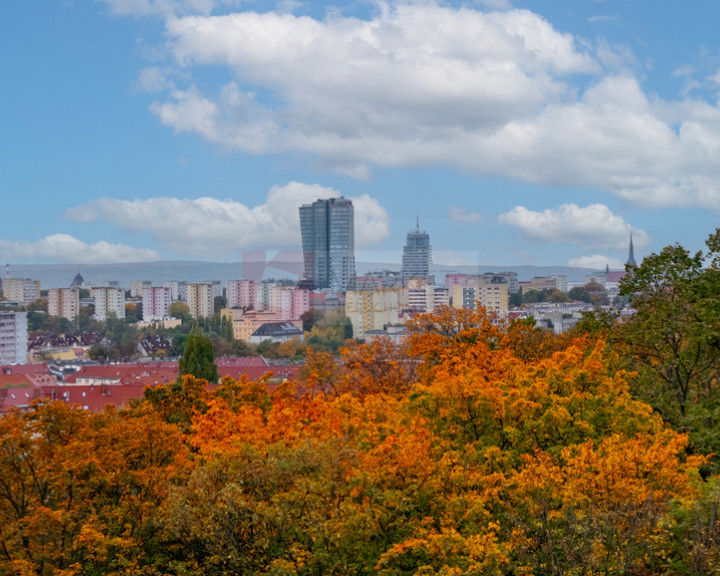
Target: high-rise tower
328	240
417	255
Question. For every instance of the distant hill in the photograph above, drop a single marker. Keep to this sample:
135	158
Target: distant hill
61	275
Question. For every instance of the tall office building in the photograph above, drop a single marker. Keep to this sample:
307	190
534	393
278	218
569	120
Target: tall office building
417	255
328	240
13	337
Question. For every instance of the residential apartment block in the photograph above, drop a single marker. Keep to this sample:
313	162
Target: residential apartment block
136	287
178	289
13	337
477	292
373	309
64	302
107	301
155	303
201	299
22	290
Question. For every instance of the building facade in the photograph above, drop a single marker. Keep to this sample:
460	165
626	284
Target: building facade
328	240
107	301
417	255
13	337
373	309
155	303
201	299
493	296
64	302
241	293
22	290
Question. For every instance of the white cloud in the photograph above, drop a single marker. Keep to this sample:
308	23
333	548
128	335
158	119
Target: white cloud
463	215
594	226
153	79
422	83
284	6
597	262
61	248
212	228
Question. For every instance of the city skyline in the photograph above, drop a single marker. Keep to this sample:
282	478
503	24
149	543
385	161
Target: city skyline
519	132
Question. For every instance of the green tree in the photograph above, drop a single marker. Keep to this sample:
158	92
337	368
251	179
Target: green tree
180	310
515	299
580	294
198	359
673	339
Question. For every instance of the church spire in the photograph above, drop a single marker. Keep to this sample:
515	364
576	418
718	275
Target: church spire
631	255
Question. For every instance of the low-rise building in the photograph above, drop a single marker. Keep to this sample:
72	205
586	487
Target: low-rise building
276	332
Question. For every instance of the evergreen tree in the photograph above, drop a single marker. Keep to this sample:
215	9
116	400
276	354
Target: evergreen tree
198	358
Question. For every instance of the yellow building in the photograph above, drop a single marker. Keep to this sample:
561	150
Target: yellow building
64	302
478	292
200	299
374	309
22	290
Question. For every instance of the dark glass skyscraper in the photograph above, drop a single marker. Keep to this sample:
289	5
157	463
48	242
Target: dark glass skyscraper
328	239
417	255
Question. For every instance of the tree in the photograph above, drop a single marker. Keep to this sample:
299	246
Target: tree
219	302
673	339
180	310
580	294
198	358
133	312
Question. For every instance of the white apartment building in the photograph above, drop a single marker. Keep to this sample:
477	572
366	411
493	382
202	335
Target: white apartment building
136	287
64	302
201	299
108	300
155	303
178	289
13	337
22	290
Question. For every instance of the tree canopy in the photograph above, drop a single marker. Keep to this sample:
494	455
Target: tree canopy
198	358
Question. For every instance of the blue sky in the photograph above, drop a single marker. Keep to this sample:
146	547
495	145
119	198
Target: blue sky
520	132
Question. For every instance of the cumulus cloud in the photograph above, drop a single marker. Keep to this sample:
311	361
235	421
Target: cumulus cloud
63	248
594	226
212	228
494	91
597	262
463	215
